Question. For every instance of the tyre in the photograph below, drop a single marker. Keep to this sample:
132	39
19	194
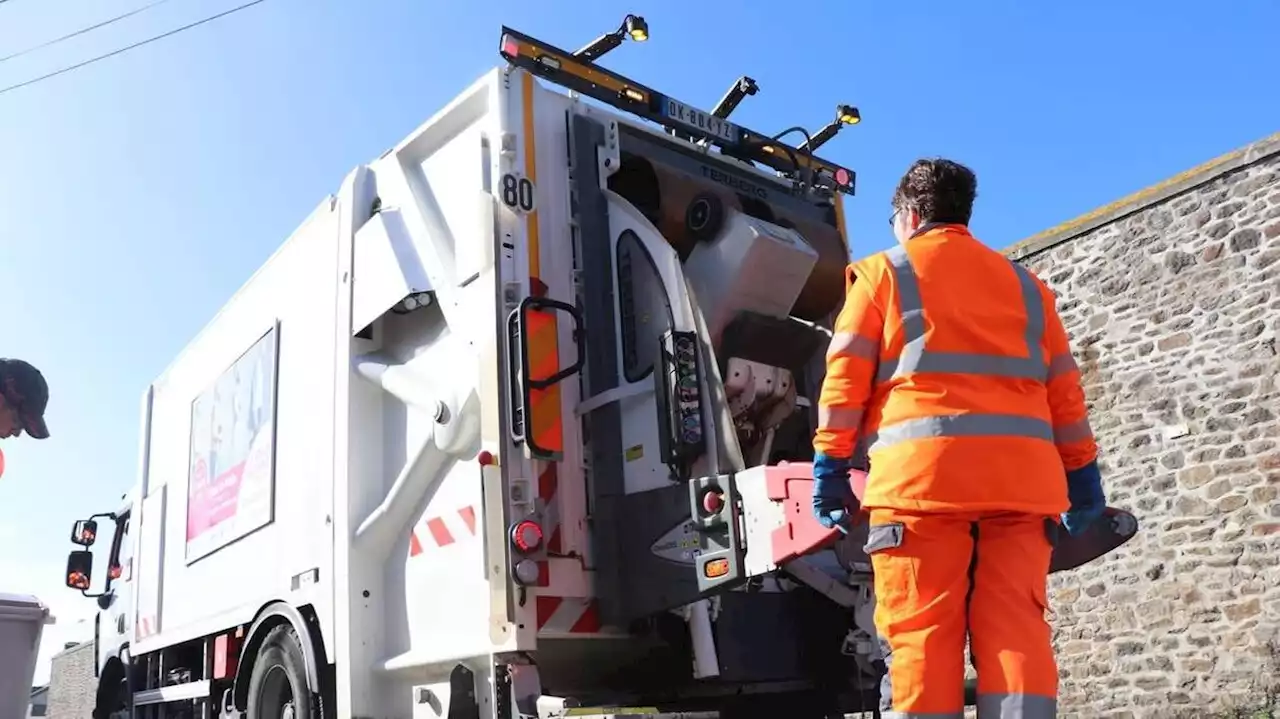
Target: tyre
113	698
278	685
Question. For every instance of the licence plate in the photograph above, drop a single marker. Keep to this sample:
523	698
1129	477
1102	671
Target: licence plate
696	119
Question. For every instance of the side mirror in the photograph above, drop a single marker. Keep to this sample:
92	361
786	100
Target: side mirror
80	569
84	533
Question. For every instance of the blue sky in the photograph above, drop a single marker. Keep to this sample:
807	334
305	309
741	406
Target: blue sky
137	194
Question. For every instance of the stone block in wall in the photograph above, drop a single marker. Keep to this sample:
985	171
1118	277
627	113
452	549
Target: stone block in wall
72	684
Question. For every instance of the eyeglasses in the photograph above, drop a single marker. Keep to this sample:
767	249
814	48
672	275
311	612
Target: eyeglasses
894	217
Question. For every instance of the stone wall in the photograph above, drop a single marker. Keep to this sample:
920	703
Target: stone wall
1172	299
72	685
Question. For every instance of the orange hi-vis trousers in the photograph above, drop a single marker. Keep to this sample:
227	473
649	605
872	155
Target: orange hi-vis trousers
942	577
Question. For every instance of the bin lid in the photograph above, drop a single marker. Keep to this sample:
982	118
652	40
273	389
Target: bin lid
19	604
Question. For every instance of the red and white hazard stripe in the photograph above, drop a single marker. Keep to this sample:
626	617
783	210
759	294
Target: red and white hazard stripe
549	493
568	615
443	530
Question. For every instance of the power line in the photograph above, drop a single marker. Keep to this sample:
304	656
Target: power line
127	48
81	31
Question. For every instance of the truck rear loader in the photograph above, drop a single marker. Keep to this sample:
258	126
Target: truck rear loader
516	424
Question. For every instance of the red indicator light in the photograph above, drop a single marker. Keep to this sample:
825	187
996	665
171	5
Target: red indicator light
842	176
510	47
485	458
526	536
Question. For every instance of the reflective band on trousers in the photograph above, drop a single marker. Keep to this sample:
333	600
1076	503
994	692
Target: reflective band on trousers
993	706
915	358
1017	706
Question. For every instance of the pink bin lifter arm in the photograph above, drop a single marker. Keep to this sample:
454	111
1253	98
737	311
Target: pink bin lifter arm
780	527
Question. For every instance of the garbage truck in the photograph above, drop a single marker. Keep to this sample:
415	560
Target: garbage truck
515	425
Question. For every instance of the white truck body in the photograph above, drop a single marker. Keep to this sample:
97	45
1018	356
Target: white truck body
349	445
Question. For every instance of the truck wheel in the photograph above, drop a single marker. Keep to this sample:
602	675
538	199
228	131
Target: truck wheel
113	697
278	686
115	705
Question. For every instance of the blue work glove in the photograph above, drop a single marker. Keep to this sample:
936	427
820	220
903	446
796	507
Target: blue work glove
833	500
1084	489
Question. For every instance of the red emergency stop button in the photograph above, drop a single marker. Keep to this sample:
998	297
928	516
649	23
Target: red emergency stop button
712	502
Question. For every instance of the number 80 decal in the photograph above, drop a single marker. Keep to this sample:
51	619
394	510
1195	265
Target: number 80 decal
517	193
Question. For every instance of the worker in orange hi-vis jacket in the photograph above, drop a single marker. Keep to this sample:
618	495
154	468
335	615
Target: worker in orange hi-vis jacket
950	362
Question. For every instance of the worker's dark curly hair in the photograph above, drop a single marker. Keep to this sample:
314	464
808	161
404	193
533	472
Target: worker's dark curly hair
939	190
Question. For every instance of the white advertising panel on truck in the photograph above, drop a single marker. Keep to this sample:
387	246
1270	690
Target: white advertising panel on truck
230	492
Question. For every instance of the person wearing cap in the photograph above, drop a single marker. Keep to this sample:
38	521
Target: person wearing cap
950	362
24	395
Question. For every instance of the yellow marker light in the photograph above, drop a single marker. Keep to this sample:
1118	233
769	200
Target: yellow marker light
849	115
715	568
637	28
633	94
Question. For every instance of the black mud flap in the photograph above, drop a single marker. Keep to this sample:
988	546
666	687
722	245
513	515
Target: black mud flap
462	694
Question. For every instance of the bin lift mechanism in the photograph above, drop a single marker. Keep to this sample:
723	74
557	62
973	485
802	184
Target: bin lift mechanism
778	531
758	520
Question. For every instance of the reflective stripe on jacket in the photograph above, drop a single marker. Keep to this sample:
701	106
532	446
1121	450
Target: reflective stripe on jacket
954	363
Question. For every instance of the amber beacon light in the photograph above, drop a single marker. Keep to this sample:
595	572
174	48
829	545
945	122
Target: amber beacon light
845	115
633	26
